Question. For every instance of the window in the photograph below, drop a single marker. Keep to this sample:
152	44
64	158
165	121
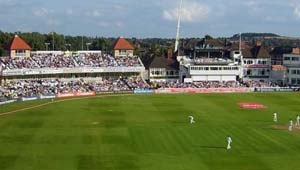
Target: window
249	62
20	52
295	59
294	71
294	81
122	52
214	68
286	58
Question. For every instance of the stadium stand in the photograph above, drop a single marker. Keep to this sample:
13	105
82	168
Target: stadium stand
60	61
35	87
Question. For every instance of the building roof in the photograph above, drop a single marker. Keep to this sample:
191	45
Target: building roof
162	62
255	52
279	51
19	44
236	45
123	44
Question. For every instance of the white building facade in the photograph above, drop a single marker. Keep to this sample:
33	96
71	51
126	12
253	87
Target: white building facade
292	64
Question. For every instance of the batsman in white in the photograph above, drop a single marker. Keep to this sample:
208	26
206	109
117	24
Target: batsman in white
191	119
275	117
229	141
298	120
291	125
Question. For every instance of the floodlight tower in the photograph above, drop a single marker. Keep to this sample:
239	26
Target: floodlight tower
178	28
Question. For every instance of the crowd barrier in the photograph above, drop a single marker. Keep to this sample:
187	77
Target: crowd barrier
114	92
23	99
47	97
203	90
276	89
143	91
7	102
75	94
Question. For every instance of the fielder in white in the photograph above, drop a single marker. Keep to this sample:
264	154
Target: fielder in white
229	141
192	120
291	125
298	120
275	117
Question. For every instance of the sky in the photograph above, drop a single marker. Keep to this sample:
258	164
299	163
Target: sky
151	18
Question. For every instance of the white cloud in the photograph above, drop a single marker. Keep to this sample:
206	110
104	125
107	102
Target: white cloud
191	12
252	3
119	24
69	12
40	12
94	13
297	11
53	22
102	24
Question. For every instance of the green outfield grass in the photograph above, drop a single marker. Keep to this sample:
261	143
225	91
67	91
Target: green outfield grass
151	132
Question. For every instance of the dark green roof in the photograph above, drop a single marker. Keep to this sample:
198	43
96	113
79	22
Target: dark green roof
256	52
162	62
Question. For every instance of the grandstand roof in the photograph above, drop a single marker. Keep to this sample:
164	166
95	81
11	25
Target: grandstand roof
162	62
123	44
255	52
19	44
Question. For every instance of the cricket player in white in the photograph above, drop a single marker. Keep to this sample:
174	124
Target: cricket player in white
229	141
275	117
298	120
191	119
291	125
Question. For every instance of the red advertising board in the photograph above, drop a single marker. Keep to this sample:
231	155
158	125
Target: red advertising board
75	94
251	105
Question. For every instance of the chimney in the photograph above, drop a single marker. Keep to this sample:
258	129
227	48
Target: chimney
296	51
258	43
170	54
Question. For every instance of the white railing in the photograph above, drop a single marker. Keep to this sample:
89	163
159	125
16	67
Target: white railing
43	71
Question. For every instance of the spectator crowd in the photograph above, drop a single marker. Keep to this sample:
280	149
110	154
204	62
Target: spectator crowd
61	61
32	88
214	84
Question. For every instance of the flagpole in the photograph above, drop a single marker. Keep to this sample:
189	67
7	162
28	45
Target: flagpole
53	41
178	28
